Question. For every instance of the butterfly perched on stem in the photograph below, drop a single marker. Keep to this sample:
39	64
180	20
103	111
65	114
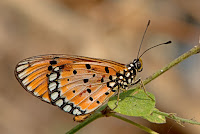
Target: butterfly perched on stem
76	84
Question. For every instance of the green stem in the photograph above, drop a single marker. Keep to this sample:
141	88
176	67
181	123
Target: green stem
93	117
178	119
133	123
86	122
191	52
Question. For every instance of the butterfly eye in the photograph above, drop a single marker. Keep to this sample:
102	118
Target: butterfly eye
139	65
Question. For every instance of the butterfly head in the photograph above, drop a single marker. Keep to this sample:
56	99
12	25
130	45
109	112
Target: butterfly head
138	64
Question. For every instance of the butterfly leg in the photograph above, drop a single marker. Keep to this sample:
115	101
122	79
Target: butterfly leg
136	82
118	93
143	87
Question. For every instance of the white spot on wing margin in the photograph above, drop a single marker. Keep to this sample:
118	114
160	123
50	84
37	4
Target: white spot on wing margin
54	95
59	102
53	76
67	108
76	112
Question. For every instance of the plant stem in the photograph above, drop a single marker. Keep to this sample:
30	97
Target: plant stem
178	119
148	130
93	117
86	122
191	52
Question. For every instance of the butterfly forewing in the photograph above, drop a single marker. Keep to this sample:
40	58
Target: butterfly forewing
78	85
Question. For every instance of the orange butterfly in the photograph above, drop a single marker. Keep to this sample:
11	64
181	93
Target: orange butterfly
78	85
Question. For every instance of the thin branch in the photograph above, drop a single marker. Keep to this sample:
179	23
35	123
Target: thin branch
86	122
93	117
178	119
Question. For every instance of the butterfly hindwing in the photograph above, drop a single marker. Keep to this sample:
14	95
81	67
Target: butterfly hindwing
78	85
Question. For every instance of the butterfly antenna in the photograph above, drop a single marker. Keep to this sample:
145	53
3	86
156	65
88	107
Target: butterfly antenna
143	37
168	42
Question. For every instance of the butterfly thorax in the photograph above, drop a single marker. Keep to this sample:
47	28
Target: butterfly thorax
126	77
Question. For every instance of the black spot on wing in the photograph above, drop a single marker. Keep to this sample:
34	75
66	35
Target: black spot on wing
106	93
102	80
50	68
110	77
74	72
85	80
53	62
88	66
106	69
91	99
89	90
113	90
56	57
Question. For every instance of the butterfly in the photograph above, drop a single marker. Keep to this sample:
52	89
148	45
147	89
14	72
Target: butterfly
76	84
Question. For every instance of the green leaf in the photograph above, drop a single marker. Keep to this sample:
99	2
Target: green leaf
133	104
155	118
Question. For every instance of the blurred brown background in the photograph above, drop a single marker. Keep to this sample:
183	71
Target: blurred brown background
110	29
